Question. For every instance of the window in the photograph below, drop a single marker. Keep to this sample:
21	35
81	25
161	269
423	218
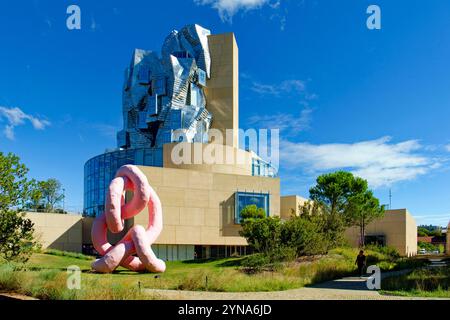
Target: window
243	199
159	86
378	240
181	54
144	75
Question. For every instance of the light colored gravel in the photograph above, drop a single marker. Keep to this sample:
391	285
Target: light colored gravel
351	288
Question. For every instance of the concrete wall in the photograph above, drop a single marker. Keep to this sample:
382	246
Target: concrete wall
222	89
398	227
290	205
198	207
208	158
58	231
411	235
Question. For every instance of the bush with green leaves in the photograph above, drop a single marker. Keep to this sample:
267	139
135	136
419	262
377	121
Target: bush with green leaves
426	245
16	236
262	234
305	236
255	262
391	252
16	231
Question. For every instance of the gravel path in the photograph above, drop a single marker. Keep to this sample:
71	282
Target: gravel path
349	288
14	296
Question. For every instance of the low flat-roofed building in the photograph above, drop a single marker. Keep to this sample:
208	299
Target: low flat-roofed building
58	231
290	205
397	229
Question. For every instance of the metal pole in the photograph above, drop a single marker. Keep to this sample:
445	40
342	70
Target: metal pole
390	199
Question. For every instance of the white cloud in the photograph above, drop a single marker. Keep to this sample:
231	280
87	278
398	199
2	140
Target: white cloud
380	162
9	132
286	86
435	219
16	117
228	8
106	130
289	123
447	147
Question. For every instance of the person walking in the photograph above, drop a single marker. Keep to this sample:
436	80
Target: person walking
361	262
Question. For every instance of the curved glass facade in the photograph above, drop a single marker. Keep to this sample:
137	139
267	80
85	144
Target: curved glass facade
100	170
262	168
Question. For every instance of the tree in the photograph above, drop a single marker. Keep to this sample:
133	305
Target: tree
362	209
422	232
14	187
305	234
16	231
16	236
35	197
52	194
252	212
334	189
263	234
345	200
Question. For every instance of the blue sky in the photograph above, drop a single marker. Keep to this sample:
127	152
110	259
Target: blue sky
375	102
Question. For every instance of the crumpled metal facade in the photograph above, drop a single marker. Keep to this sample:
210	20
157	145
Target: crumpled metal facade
163	97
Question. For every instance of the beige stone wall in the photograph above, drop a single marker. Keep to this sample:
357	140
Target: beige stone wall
290	205
87	227
198	207
222	89
208	158
58	231
411	235
399	228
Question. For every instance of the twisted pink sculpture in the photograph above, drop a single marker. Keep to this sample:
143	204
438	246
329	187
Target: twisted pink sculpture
137	240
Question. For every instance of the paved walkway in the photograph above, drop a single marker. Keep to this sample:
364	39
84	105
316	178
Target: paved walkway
349	288
14	296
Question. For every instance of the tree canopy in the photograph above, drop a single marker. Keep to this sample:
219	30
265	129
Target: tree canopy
16	231
347	201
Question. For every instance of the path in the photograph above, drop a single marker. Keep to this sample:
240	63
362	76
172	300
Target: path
349	288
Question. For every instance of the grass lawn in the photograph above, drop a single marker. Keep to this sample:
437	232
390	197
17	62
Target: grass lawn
45	276
427	282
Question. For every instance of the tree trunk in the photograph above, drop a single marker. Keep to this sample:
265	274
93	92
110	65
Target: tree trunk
363	233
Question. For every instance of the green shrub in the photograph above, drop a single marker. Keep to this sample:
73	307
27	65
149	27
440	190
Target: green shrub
388	251
304	235
282	254
255	262
427	246
262	234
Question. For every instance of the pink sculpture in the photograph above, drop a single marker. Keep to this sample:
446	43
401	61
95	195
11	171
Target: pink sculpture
137	240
